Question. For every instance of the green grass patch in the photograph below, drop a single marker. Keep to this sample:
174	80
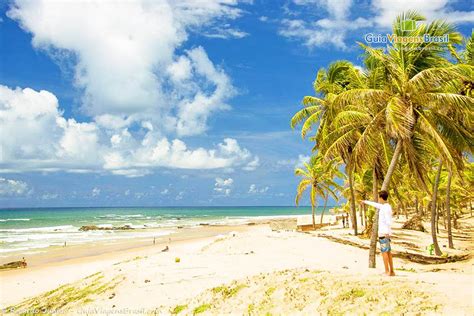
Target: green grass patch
228	291
352	294
201	309
178	309
250	309
270	291
69	294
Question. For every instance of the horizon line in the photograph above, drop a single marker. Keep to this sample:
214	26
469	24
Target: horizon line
184	206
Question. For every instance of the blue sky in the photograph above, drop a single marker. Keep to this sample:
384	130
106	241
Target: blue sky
170	103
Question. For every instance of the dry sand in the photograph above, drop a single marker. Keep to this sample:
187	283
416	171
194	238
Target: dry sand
249	269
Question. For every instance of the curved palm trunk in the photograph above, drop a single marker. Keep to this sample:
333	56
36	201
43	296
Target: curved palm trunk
313	204
391	167
386	182
375	222
324	209
448	208
401	205
353	207
433	210
416	206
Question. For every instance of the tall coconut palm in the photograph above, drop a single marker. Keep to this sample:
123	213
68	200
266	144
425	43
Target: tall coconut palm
415	99
357	132
413	95
318	175
320	112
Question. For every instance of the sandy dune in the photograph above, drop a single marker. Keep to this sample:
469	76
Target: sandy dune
147	280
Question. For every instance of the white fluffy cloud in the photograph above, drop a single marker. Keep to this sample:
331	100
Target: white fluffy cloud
387	10
9	187
49	196
223	186
138	89
95	192
253	189
339	20
294	163
36	136
125	60
329	30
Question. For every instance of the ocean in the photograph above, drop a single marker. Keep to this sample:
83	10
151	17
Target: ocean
33	230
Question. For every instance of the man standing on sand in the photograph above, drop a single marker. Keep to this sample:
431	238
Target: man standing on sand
385	230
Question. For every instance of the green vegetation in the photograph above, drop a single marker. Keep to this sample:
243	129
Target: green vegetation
177	260
228	291
318	175
178	309
201	309
403	123
270	291
352	294
250	309
68	295
280	293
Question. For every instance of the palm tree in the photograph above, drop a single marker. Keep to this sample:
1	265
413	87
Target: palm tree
413	98
408	112
433	209
320	112
318	175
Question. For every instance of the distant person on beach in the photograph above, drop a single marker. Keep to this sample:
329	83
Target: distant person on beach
347	219
385	230
343	220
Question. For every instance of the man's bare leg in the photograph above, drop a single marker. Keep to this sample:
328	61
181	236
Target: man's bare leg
385	262
390	262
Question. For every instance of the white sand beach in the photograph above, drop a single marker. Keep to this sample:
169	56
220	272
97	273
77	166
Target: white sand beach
234	272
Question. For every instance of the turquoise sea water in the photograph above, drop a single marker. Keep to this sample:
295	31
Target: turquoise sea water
36	229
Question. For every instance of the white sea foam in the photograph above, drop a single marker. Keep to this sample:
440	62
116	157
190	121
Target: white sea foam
14	219
105	225
120	216
40	229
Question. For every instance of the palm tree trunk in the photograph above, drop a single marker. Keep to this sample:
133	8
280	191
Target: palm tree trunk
313	204
365	216
324	209
444	216
433	210
391	167
416	206
401	204
448	209
438	211
375	223
353	206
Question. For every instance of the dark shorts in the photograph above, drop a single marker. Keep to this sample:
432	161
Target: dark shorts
384	244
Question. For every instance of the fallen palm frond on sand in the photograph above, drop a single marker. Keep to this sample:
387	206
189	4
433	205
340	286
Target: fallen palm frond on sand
414	257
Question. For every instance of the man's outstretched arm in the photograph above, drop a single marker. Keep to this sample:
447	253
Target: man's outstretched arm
374	204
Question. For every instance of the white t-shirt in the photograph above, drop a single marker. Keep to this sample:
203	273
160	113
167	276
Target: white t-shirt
385	217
